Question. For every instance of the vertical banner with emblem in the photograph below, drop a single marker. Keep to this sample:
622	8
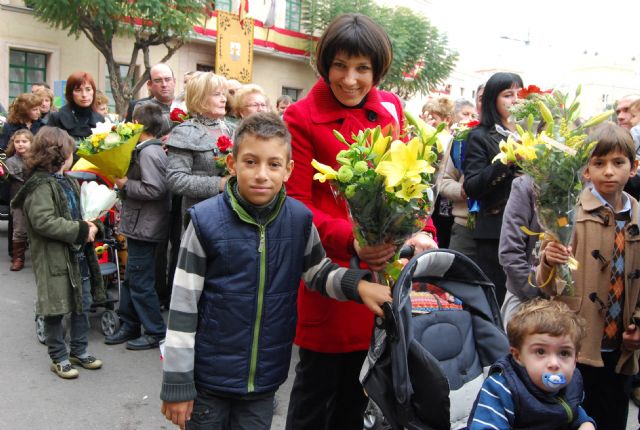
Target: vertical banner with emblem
234	47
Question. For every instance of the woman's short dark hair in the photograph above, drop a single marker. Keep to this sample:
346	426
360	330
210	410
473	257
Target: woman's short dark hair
497	83
150	115
50	149
75	80
355	35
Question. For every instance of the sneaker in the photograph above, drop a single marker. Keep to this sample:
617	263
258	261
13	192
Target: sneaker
89	362
65	372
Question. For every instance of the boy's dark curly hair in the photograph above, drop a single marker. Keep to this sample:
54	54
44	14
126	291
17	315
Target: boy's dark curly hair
50	149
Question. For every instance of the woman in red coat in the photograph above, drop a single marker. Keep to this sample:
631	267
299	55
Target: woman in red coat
352	56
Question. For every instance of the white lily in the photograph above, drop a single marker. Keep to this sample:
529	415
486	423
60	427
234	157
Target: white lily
102	127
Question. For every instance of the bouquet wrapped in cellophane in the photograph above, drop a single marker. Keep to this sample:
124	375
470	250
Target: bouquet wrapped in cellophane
554	157
387	183
95	200
110	146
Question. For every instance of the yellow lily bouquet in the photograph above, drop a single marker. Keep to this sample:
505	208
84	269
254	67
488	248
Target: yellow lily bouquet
110	146
554	157
387	183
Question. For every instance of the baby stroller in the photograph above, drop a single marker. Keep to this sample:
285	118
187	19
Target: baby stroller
423	371
107	250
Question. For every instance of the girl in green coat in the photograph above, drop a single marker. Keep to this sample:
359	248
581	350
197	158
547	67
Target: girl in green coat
64	259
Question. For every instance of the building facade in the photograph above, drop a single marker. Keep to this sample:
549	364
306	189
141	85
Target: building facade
31	51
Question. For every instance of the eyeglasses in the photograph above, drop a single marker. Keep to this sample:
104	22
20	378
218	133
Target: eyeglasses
257	106
161	80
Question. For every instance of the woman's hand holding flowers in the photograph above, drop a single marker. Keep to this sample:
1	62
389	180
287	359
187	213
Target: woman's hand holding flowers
376	256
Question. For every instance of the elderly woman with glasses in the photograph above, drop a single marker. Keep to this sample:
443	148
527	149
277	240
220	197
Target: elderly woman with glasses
193	145
250	99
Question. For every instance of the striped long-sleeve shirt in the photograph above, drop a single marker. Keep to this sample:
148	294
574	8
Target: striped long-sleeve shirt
319	274
494	407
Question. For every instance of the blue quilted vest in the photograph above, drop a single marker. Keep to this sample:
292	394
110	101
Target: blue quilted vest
536	409
248	309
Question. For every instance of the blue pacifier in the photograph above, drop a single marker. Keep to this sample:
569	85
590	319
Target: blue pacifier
555	381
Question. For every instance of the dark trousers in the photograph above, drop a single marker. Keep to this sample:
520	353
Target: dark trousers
78	330
487	259
167	253
605	399
326	392
212	412
138	298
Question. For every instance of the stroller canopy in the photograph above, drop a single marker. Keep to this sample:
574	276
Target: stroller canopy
415	362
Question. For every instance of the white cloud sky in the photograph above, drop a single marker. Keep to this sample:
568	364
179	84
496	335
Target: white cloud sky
570	27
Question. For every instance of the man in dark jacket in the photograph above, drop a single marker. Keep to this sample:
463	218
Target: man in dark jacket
161	86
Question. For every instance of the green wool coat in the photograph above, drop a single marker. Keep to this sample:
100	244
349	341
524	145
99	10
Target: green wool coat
53	236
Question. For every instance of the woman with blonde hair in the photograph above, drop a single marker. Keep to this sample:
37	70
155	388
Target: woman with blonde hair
24	112
193	145
437	110
250	99
47	105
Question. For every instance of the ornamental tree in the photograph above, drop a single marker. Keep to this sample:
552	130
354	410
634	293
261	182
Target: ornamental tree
421	59
167	23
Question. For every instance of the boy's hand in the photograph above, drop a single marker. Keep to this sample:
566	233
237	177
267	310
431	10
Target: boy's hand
177	412
120	181
556	253
587	426
93	230
374	296
376	256
631	338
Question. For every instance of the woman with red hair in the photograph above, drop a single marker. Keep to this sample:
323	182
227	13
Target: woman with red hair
77	117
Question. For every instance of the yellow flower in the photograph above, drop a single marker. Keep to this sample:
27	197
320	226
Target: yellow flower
411	190
527	149
404	163
507	152
326	173
379	147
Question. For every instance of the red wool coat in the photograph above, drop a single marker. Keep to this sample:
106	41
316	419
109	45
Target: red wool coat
326	325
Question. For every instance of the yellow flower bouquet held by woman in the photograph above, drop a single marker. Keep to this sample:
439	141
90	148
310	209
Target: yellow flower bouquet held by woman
387	183
554	157
110	146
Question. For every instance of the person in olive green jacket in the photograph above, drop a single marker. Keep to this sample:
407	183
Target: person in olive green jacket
64	259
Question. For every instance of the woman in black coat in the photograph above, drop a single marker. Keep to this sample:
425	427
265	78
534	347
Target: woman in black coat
77	116
487	182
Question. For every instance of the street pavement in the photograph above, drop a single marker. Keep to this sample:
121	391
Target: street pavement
123	395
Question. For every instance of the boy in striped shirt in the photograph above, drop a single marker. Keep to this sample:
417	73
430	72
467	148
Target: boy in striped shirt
537	385
232	316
